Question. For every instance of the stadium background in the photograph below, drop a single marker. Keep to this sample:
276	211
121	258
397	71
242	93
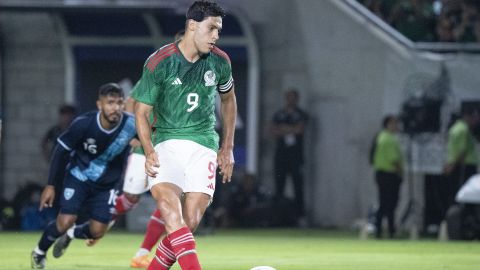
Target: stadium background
350	68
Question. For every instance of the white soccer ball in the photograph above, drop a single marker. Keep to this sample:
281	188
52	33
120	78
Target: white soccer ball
262	268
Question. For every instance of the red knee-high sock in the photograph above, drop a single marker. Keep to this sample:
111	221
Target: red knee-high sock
183	245
155	229
164	256
123	205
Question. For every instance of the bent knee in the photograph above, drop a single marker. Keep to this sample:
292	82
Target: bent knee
192	222
97	234
132	198
63	224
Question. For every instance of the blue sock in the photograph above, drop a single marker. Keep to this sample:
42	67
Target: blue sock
83	231
49	236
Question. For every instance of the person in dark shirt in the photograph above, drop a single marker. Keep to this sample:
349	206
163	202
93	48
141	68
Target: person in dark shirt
66	113
288	129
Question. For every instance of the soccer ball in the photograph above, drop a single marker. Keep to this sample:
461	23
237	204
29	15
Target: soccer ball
262	268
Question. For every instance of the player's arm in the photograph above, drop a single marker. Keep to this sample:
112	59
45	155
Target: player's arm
130	105
142	113
55	178
229	116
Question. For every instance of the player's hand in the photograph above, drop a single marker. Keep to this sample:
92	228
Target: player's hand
91	242
225	162
47	197
152	164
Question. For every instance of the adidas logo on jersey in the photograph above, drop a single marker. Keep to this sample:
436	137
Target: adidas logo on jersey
177	81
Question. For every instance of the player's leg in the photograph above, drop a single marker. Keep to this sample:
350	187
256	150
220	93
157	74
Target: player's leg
200	170
99	203
194	207
155	230
167	188
134	184
167	197
52	232
70	203
125	202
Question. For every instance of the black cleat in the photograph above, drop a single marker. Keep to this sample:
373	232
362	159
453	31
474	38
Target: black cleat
61	245
38	261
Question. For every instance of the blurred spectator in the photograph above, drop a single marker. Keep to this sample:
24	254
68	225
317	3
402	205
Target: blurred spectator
248	207
387	162
26	212
381	8
444	30
7	215
414	19
66	113
464	31
462	157
288	128
431	20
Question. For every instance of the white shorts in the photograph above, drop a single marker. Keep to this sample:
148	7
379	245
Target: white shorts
187	164
135	181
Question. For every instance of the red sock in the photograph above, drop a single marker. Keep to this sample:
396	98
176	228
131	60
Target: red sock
183	245
123	205
164	256
155	229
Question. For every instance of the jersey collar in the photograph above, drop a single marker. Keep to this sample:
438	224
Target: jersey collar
105	130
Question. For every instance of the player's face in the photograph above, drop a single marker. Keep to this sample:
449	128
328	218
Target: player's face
207	33
111	108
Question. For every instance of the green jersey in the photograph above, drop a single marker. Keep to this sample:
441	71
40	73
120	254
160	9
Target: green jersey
387	152
182	94
461	140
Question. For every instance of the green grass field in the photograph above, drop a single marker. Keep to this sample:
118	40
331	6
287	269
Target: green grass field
243	249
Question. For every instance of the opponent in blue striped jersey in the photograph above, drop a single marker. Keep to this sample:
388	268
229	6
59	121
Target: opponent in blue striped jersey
89	158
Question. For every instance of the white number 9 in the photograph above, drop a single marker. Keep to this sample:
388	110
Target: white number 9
192	100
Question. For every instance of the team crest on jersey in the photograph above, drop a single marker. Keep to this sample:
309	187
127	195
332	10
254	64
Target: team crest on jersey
209	78
68	193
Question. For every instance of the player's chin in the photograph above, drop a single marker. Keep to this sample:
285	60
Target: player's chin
207	49
113	119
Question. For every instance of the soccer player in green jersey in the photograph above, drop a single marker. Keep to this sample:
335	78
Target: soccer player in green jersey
179	85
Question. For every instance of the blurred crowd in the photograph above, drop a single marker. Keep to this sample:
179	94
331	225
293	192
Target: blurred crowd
431	20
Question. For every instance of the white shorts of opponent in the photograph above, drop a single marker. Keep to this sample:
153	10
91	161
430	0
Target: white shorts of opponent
187	164
135	180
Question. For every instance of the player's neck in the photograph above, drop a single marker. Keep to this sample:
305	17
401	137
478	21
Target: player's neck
106	124
188	50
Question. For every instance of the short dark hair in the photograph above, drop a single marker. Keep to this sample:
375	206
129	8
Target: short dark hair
110	89
67	109
200	10
387	120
